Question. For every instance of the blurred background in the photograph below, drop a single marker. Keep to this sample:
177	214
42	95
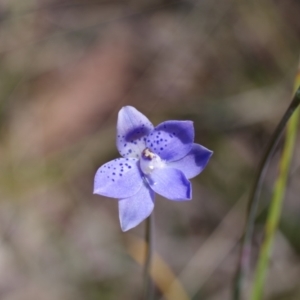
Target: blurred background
67	67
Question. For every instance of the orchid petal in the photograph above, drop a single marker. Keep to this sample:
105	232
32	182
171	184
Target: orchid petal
132	130
135	209
172	140
119	178
194	162
170	183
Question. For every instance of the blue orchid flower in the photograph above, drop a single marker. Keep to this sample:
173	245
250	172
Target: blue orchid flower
158	159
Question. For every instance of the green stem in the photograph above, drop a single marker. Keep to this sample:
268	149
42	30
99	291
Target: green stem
149	233
243	264
276	204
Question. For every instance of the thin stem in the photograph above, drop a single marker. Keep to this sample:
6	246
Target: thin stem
243	264
149	233
276	203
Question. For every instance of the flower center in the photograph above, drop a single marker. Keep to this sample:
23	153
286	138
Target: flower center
150	161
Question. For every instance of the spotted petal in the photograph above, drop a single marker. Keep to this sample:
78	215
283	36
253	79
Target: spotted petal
119	178
133	210
172	140
170	183
194	162
132	130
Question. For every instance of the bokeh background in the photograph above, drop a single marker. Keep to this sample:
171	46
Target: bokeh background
67	67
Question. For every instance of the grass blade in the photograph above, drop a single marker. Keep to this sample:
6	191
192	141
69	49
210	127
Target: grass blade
276	203
243	264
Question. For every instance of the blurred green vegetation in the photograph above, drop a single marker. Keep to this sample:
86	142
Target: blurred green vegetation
67	67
